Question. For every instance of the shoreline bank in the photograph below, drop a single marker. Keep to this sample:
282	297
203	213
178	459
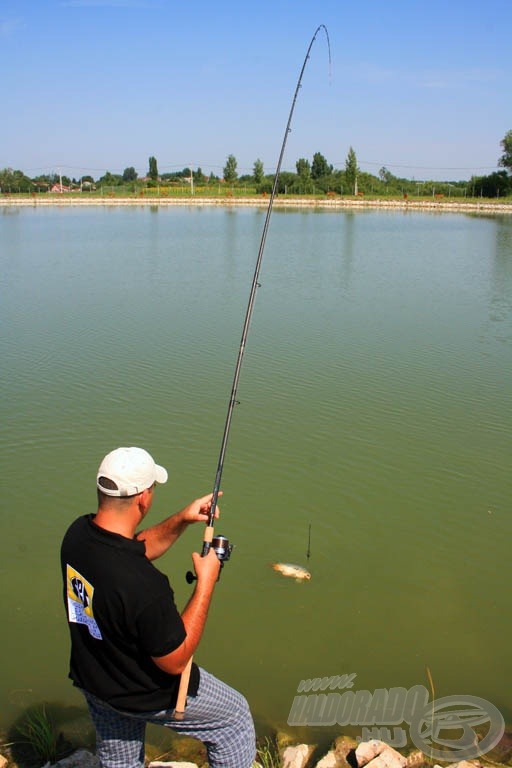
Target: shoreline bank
332	204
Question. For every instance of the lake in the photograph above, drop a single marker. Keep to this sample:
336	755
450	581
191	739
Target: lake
375	412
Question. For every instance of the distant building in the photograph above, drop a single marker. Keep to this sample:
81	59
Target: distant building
60	188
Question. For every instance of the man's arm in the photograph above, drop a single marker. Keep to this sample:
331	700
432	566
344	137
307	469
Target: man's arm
158	538
195	613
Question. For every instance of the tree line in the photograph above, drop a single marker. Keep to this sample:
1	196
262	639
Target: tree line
315	176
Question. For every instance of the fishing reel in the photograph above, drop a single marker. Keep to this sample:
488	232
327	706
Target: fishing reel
221	547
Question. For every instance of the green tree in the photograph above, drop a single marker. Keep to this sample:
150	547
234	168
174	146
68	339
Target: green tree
41	183
257	171
199	176
506	159
14	181
351	171
385	175
153	169
286	183
110	179
230	173
130	174
303	169
497	184
320	167
303	183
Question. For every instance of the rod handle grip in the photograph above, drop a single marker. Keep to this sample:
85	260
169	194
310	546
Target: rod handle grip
181	702
207	540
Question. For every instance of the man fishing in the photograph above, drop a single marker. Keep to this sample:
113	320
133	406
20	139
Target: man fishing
129	643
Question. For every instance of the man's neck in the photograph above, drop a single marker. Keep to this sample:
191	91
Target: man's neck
123	522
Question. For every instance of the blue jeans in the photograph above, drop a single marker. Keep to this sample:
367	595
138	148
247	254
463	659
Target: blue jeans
218	716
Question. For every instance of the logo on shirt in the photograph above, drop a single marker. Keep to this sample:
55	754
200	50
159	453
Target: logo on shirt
80	593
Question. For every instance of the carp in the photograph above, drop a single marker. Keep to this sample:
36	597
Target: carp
290	569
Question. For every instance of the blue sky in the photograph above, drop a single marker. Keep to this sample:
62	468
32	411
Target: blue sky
423	88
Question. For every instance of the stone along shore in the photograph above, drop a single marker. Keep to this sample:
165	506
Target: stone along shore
331	204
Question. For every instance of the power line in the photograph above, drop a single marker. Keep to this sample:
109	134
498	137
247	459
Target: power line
429	167
171	167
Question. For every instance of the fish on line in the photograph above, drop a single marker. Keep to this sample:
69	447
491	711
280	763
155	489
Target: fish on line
296	572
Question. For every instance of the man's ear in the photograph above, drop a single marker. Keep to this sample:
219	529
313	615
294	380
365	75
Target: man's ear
145	499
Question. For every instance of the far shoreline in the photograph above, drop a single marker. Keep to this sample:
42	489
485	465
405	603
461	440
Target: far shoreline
330	204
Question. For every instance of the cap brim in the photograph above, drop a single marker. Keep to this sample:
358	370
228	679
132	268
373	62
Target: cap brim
161	474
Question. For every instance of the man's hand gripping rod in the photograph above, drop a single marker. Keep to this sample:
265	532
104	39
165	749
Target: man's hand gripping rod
220	543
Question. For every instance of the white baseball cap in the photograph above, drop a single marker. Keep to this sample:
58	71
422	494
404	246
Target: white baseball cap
130	470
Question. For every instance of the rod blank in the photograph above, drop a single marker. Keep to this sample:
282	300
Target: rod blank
252	296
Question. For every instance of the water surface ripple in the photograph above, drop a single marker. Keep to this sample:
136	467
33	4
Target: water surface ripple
374	405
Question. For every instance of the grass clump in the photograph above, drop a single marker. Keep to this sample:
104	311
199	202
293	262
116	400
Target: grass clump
38	732
267	755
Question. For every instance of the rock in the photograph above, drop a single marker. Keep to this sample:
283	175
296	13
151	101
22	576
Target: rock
172	764
467	764
329	761
79	759
284	739
344	744
502	752
379	754
297	757
343	747
337	755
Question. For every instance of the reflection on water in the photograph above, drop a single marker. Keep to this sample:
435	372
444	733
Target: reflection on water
348	244
501	275
374	405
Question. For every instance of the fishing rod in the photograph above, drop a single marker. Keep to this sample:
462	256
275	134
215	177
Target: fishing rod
208	536
221	544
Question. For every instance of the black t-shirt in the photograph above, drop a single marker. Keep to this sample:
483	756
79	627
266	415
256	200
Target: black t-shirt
121	611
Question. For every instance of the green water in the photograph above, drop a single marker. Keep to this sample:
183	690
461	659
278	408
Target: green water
375	405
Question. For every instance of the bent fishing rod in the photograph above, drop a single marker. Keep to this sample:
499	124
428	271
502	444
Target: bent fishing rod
221	544
208	536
